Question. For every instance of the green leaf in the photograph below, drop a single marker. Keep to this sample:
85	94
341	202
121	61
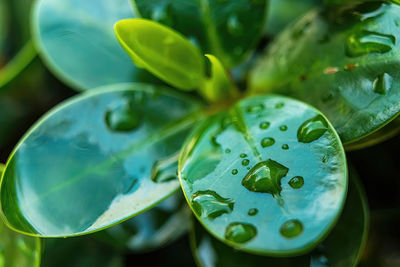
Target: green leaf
342	248
18	250
283	12
76	40
80	252
87	164
152	229
227	29
346	63
255	186
162	51
4	24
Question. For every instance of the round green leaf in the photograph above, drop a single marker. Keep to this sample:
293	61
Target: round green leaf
345	63
96	160
162	51
269	155
77	41
18	250
227	29
152	229
342	248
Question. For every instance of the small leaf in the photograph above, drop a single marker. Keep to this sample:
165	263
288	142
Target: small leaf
354	82
85	166
342	248
18	250
152	229
162	51
227	29
76	41
225	158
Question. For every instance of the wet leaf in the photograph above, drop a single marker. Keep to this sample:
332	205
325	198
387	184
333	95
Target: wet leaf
342	248
76	40
343	62
18	250
87	164
227	29
162	51
227	168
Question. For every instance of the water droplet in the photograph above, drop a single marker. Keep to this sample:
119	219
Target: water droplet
312	129
240	232
227	151
123	117
255	108
252	212
243	155
163	14
365	42
296	182
235	27
245	162
265	177
382	84
283	128
235	171
264	125
324	159
285	146
164	170
291	228
210	205
279	105
267	142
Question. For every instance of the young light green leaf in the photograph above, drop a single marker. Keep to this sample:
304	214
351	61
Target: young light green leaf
87	164
152	229
76	40
162	51
267	177
219	86
342	248
354	82
18	250
227	29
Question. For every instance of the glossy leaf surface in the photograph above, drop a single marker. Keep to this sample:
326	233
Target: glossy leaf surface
18	250
342	248
270	167
344	63
227	29
152	229
96	160
77	41
162	51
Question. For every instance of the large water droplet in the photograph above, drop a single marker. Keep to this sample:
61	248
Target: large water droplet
245	162
235	171
122	117
240	232
243	155
255	108
265	177
291	228
235	27
312	129
283	128
267	142
382	84
252	212
365	42
164	170
210	205
264	125
296	182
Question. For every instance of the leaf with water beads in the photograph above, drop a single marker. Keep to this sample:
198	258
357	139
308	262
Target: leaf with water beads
354	82
96	160
282	180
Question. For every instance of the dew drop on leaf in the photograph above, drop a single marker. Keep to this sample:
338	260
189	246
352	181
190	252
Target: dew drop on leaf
245	162
279	105
163	171
283	128
296	182
312	129
235	171
285	146
267	142
366	42
264	125
211	205
227	151
255	108
252	212
265	177
382	84
122	117
291	228
240	232
243	155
